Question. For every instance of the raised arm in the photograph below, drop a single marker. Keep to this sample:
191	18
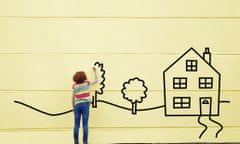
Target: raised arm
96	77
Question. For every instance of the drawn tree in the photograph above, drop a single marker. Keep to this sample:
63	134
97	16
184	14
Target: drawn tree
134	90
101	79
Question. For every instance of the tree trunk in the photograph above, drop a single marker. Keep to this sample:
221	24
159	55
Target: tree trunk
94	101
134	108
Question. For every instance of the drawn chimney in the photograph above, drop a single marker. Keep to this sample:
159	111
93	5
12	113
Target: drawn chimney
207	55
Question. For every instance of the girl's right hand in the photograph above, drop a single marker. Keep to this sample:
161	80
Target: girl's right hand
94	69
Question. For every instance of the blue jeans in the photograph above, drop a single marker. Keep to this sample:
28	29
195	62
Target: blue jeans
81	109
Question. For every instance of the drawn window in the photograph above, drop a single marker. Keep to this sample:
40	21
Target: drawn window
181	102
205	82
191	65
179	82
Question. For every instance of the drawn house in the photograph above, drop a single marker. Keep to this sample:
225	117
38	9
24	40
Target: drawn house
192	86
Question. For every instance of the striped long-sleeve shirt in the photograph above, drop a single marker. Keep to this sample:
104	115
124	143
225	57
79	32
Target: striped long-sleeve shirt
81	92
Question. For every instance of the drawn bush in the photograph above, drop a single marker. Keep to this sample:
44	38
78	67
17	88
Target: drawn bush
101	79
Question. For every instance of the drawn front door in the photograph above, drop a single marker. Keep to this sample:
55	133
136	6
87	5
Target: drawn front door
205	106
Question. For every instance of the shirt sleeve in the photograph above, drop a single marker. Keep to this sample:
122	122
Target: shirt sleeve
88	82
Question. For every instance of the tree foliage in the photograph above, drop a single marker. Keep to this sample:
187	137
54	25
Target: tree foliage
134	90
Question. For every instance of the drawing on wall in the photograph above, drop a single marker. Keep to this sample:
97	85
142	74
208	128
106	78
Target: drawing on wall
188	80
99	91
191	87
130	92
134	90
102	72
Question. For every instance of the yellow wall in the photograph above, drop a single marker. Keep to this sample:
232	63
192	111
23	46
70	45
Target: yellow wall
42	43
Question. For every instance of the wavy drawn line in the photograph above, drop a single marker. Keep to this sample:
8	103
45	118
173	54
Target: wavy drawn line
68	111
129	109
152	108
204	125
219	124
122	107
41	111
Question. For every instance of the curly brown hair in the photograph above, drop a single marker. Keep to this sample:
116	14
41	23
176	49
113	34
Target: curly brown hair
79	77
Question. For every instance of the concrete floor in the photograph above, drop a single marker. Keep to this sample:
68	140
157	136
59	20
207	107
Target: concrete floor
118	135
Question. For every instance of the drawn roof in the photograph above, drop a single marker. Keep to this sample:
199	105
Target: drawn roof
191	49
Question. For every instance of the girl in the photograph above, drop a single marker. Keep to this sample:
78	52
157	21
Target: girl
80	102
